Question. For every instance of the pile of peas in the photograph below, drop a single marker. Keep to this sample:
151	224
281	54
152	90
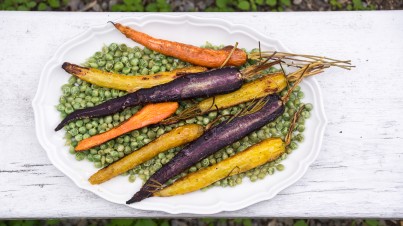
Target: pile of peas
78	94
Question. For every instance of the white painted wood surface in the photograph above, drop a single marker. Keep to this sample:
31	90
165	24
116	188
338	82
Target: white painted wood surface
359	172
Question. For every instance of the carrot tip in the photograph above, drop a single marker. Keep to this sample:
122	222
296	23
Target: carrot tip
112	23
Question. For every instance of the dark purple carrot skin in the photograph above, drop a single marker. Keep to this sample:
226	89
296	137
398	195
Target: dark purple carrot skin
203	84
210	142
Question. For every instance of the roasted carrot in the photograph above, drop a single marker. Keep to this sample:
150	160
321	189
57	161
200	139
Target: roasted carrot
261	113
148	115
193	85
261	87
126	82
256	155
176	137
192	54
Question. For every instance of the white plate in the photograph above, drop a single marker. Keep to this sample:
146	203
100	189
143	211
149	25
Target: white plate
187	29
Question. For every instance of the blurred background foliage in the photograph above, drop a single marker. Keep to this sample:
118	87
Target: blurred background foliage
198	5
201	222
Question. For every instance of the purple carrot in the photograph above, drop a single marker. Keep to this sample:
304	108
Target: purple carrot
210	142
204	84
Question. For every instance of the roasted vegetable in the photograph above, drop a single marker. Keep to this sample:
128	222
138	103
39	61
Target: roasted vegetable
254	156
192	54
261	87
176	137
126	82
203	84
227	132
148	115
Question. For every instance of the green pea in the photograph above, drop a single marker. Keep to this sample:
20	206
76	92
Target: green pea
82	130
134	144
117	54
114	154
140	138
144	71
306	114
60	107
308	107
108	66
121	148
299	137
78	137
280	167
155	68
62	100
126	70
193	169
293	145
205	162
134	62
132	178
301	128
66	90
68	110
123	47
113	47
253	178
127	150
109	159
118	66
72	80
94	65
137	55
261	134
151	134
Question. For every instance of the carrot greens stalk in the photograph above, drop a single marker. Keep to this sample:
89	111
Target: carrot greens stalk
126	82
148	115
174	138
192	54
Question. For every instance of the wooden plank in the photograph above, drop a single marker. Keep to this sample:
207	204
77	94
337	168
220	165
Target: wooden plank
357	175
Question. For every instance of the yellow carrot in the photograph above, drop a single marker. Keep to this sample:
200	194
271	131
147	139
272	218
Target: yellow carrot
254	156
126	82
148	115
176	137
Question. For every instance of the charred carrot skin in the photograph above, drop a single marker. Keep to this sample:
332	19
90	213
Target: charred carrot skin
192	54
126	82
148	115
210	142
203	84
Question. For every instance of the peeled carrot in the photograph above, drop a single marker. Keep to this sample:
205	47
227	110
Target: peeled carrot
148	115
254	156
174	138
192	54
126	82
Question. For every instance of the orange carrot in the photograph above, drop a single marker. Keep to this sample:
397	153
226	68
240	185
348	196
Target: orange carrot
192	54
148	115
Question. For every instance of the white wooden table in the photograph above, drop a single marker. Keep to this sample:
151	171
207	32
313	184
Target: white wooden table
359	172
